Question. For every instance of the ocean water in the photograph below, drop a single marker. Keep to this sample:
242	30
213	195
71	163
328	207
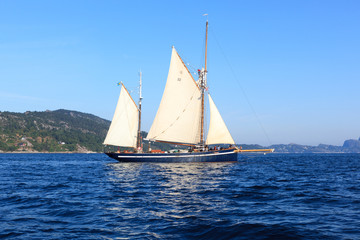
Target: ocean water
89	196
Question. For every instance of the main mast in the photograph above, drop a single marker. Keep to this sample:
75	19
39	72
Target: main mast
203	87
138	145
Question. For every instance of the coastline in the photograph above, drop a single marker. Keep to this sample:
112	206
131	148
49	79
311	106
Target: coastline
90	152
27	152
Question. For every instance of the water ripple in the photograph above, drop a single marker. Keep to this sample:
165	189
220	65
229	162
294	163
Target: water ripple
87	196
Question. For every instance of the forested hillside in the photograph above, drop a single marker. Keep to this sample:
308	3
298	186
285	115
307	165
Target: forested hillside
52	131
57	131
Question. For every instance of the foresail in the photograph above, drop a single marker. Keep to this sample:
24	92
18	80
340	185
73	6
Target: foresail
218	132
124	125
178	116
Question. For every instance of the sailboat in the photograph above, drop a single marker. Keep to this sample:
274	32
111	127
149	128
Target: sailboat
179	121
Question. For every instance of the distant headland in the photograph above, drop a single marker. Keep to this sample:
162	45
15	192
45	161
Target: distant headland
349	146
66	131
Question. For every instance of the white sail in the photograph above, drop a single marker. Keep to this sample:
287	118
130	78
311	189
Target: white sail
179	113
218	132
124	125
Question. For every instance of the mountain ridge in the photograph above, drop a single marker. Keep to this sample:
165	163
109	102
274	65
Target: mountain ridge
349	146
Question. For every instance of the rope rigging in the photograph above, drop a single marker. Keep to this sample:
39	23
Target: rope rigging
241	88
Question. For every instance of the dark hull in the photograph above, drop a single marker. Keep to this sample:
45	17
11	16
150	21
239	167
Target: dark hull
218	156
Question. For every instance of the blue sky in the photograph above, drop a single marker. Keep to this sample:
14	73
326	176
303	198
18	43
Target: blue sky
279	71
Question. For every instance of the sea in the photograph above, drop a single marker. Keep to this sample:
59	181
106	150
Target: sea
91	196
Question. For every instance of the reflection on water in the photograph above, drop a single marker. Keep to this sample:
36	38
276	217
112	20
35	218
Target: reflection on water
169	178
167	191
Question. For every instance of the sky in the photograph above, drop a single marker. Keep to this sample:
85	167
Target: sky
278	71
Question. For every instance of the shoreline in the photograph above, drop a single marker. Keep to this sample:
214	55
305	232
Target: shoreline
27	152
31	152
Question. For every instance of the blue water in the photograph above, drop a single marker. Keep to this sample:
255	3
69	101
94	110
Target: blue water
89	196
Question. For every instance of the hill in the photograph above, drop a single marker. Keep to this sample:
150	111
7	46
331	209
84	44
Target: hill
57	131
52	131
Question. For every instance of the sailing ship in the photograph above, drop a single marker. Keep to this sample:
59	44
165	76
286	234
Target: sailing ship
179	120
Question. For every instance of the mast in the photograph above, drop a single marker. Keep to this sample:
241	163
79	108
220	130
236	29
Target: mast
138	145
207	23
203	87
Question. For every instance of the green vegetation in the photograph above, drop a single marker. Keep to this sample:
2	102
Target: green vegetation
52	131
57	131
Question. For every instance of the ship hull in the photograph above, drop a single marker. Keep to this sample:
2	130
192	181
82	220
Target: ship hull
211	156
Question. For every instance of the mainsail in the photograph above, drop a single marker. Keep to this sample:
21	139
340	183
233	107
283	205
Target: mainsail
179	113
124	125
218	132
